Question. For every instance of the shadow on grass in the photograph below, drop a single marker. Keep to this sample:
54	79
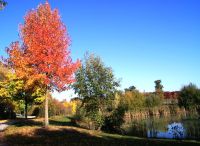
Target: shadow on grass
69	137
27	122
73	137
68	122
33	134
54	122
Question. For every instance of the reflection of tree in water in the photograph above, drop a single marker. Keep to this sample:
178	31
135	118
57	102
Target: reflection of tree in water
176	130
152	128
192	128
165	128
137	129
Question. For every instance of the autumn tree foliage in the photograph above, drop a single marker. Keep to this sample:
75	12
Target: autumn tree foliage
31	88
44	55
6	103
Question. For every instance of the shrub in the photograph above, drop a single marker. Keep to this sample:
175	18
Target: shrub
97	119
115	120
93	119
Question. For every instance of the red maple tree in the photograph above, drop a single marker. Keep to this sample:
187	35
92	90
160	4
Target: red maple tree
44	54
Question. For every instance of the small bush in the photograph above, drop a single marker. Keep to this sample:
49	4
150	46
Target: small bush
97	119
80	114
115	120
93	120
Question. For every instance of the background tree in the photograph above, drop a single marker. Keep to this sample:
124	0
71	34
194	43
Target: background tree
158	86
32	95
131	88
7	104
133	100
15	89
159	89
153	100
189	96
96	85
44	55
71	106
55	108
3	71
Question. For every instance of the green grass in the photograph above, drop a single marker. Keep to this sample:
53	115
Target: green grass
63	132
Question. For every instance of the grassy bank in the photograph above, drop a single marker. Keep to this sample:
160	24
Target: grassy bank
62	132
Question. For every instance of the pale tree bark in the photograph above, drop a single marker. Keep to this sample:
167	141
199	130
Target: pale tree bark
46	117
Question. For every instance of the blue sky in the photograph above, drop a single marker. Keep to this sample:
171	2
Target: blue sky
142	40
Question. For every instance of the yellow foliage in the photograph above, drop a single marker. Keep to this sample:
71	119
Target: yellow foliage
72	106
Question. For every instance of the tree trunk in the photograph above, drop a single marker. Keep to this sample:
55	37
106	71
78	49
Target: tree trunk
26	108
46	119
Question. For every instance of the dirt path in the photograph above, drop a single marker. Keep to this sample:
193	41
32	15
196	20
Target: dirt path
4	126
2	142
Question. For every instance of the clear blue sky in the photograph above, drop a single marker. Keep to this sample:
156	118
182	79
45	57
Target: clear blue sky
142	40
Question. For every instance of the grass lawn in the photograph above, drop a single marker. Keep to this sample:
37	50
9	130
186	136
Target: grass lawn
62	132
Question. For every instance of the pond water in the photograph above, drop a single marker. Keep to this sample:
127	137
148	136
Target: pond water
171	128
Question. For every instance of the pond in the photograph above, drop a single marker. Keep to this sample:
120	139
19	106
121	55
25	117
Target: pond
162	127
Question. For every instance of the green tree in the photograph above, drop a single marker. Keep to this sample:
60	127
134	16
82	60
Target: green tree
94	79
189	96
131	88
158	86
159	89
96	85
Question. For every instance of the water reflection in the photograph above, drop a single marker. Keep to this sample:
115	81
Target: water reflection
172	128
176	130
